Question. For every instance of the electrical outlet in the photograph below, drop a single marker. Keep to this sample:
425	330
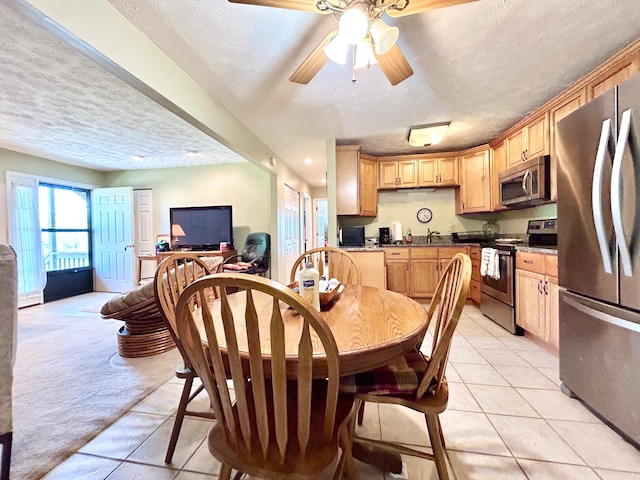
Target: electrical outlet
452	227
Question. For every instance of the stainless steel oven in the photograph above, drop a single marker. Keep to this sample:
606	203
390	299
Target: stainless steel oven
498	294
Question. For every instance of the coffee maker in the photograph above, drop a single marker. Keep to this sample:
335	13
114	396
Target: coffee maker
385	236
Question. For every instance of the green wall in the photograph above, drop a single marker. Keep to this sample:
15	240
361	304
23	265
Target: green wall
242	185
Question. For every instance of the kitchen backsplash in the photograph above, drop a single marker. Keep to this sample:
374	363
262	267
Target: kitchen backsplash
403	205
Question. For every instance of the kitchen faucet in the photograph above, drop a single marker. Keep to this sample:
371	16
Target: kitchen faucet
430	235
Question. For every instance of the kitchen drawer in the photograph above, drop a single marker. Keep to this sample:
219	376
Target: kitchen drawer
449	252
551	265
531	262
475	253
423	252
396	253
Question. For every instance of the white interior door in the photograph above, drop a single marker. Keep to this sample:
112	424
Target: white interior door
320	222
112	219
308	223
144	240
292	228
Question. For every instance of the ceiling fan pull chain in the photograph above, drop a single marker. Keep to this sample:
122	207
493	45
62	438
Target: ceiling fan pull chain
353	66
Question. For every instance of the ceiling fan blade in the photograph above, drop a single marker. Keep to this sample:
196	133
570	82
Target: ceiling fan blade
314	62
304	5
419	6
394	65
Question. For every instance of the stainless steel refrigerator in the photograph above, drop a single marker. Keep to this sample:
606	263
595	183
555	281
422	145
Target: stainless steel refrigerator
599	255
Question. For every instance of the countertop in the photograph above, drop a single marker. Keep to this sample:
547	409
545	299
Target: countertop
381	248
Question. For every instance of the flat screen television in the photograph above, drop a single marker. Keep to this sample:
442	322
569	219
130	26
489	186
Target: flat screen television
201	228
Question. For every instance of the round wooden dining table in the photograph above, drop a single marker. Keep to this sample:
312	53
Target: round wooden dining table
370	326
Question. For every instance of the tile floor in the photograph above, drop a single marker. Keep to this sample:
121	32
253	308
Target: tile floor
507	419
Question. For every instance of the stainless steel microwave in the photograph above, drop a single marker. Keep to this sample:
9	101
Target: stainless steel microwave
526	184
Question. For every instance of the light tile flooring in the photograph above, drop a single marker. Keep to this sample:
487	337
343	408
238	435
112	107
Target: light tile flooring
507	419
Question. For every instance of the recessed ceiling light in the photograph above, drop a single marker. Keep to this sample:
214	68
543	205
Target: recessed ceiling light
308	160
192	153
137	158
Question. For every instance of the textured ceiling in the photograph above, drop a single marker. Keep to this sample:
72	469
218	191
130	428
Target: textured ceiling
482	66
58	104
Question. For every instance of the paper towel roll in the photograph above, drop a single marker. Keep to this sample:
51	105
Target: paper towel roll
396	231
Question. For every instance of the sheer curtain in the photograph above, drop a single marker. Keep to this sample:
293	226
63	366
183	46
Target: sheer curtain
25	237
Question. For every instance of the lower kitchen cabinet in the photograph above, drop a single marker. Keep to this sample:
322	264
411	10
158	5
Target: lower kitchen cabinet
475	253
415	271
424	271
537	295
372	267
397	265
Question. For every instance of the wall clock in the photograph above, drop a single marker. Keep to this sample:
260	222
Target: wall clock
424	215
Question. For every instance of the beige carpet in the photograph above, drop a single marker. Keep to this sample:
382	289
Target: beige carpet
70	383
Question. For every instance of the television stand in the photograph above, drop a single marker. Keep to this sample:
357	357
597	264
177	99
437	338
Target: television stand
201	253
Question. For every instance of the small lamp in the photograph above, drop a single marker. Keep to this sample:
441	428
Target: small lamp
426	135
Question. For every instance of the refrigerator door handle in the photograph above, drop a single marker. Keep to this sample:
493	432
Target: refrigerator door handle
605	317
606	141
616	193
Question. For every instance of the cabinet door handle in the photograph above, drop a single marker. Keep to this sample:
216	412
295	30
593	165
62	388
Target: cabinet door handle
395	253
540	286
546	287
530	262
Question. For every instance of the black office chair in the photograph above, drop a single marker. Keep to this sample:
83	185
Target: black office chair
255	257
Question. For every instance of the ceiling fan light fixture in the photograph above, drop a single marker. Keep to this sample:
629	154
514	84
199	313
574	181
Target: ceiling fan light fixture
336	50
427	135
384	36
354	24
364	54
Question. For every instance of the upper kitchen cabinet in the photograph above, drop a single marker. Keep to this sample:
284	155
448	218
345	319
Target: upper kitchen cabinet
529	142
557	112
438	172
617	70
474	194
498	165
397	172
356	182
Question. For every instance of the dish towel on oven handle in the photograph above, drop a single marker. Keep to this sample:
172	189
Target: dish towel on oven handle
490	263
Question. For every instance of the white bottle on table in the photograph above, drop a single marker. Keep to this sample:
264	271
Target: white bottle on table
309	280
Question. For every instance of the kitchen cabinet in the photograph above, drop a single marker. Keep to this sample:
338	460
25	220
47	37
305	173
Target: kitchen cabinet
474	194
616	72
415	271
397	172
397	265
556	113
424	271
438	172
371	263
498	165
537	295
356	182
530	142
475	253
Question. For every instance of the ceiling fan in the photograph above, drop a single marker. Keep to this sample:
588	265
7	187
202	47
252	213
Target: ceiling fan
361	28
